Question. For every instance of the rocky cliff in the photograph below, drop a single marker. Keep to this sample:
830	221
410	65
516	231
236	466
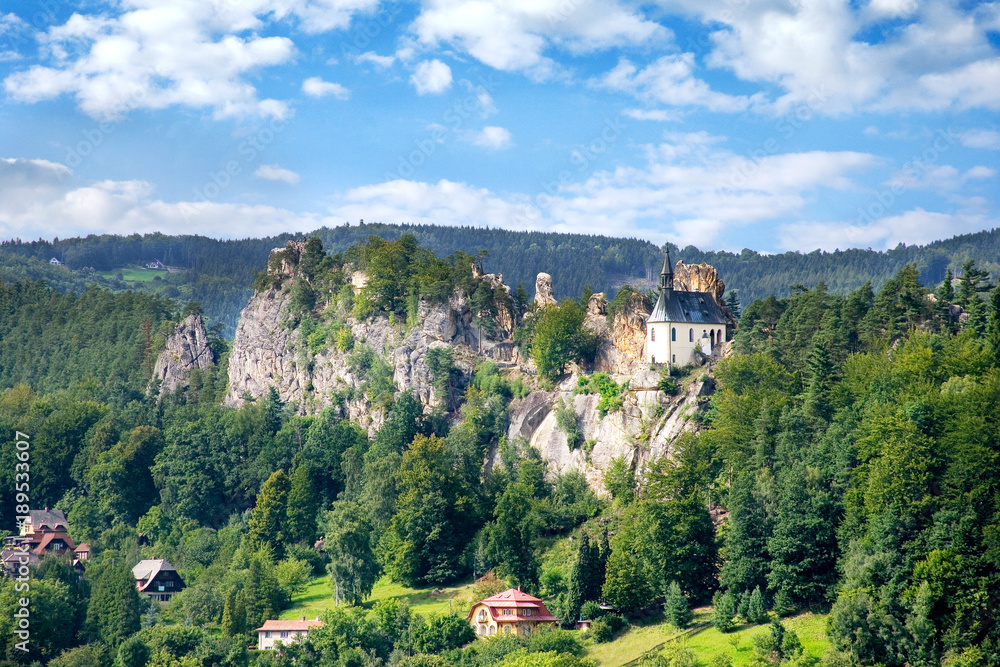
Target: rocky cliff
186	349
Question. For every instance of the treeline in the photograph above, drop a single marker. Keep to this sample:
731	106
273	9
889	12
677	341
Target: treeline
220	273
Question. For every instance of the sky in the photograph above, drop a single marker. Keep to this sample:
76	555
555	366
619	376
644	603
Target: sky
773	125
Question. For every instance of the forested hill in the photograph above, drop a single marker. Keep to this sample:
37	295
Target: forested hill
220	273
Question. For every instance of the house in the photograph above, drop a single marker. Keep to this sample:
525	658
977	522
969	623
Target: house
55	262
157	579
273	633
12	559
683	323
82	551
44	531
509	612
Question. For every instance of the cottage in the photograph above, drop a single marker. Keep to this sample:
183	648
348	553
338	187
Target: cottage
157	265
509	612
157	579
55	262
274	633
43	532
682	323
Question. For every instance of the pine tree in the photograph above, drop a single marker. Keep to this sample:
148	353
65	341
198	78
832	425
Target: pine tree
239	614
725	609
756	613
946	290
269	515
993	326
676	608
733	303
115	609
302	507
923	634
580	582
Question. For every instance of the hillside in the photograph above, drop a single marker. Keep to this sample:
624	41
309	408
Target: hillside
219	273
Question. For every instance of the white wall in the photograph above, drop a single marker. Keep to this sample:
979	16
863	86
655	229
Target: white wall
661	349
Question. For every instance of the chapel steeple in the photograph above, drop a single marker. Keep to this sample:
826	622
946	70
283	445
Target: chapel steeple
667	273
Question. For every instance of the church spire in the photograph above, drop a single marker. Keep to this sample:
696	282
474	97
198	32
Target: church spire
667	273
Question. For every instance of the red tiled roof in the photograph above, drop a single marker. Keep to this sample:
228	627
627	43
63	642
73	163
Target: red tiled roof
290	625
514	599
49	537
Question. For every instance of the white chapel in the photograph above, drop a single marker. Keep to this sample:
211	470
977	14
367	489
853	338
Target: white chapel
682	323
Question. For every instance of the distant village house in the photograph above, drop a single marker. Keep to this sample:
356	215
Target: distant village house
274	633
157	579
510	612
157	264
42	532
55	262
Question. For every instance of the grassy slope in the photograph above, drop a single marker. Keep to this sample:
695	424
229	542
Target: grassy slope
811	629
135	275
318	597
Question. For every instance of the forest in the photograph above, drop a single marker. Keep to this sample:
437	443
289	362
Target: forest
846	464
218	273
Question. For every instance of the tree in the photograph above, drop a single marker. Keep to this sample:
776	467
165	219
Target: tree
513	535
270	514
442	632
620	481
756	612
993	326
725	610
582	578
626	585
733	303
115	608
302	507
560	338
133	652
353	567
676	608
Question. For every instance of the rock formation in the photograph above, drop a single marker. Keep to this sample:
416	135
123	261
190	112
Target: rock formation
281	262
543	291
622	341
186	349
699	278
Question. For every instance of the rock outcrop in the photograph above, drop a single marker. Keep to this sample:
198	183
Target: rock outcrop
699	278
623	340
544	295
186	349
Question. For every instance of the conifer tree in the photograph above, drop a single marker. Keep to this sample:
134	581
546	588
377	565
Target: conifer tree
993	326
756	613
302	507
581	578
725	609
676	608
115	609
270	514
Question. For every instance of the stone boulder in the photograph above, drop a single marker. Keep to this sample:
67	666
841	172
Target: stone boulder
544	296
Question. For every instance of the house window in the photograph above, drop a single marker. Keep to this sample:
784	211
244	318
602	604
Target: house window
652	335
675	358
267	634
673	333
652	359
527	612
690	335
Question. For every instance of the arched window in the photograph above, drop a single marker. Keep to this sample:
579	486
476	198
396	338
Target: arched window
720	337
652	334
652	359
713	337
673	333
690	335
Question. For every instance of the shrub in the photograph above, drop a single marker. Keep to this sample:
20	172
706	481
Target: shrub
560	641
606	628
591	610
566	421
612	393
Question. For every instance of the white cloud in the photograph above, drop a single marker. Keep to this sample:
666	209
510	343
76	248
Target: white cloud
153	54
514	35
979	172
431	76
493	137
916	226
980	138
382	62
317	87
651	114
670	80
273	172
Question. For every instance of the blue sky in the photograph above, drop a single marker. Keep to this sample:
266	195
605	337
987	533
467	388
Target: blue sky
770	124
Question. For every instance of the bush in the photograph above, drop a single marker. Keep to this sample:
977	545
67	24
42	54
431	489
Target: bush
612	393
310	556
560	641
441	633
591	610
566	421
606	628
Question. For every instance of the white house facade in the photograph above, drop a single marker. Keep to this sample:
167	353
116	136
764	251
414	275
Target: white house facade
274	633
682	323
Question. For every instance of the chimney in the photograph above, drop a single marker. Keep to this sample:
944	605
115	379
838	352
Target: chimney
303	619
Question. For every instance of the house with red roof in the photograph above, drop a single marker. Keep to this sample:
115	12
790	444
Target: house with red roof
273	633
510	612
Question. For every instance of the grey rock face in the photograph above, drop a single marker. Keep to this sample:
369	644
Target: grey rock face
186	349
543	291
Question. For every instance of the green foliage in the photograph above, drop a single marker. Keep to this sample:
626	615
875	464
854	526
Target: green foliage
612	393
133	652
269	517
560	338
114	608
725	610
676	608
756	612
442	632
620	481
302	507
353	567
607	627
566	421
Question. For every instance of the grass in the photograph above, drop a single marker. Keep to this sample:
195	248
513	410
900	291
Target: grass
707	641
135	275
317	597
